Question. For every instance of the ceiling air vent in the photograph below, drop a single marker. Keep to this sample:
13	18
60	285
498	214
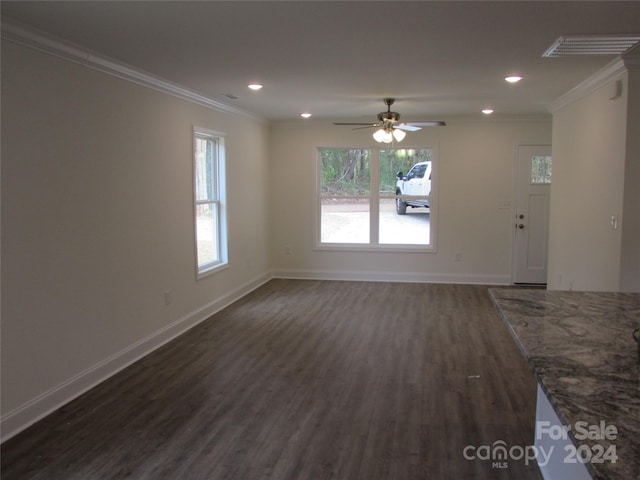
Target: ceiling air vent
591	45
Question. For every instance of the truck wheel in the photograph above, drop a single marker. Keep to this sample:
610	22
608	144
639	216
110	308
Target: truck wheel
401	207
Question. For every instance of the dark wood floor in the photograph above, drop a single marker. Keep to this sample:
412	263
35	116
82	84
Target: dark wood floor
304	380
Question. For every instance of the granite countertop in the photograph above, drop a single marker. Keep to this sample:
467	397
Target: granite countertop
581	348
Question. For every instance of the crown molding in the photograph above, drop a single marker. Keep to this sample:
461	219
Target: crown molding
608	73
21	34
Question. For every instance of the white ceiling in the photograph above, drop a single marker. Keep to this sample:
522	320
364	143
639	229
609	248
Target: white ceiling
338	59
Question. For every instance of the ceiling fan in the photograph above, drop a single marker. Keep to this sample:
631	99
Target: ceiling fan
389	126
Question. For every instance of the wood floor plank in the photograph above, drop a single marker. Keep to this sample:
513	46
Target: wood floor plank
304	379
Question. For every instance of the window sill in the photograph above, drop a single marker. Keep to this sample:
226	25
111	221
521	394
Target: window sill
359	247
211	270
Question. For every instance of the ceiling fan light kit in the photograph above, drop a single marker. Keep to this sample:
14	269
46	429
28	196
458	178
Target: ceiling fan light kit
389	135
382	136
389	128
399	134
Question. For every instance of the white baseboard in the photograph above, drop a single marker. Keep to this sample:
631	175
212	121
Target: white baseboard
372	276
27	414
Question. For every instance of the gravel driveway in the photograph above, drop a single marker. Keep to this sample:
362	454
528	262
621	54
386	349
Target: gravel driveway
349	223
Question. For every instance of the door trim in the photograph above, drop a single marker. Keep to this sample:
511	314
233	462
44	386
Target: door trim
514	213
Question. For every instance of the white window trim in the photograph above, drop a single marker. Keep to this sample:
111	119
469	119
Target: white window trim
221	188
374	207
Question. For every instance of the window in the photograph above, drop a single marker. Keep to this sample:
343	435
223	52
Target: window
540	170
376	198
345	187
209	201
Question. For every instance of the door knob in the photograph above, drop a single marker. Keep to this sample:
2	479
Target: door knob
520	226
521	216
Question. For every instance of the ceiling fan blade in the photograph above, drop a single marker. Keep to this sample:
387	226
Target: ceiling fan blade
388	120
428	123
407	127
368	124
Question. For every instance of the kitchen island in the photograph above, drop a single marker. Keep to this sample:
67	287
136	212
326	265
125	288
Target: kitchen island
581	349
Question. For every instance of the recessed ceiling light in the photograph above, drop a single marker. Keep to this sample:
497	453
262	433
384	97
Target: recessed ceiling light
513	79
305	115
255	86
487	111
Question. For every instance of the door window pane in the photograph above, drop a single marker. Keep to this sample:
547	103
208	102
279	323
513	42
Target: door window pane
540	170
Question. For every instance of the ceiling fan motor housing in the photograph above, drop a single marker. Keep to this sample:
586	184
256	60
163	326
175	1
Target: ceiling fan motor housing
388	117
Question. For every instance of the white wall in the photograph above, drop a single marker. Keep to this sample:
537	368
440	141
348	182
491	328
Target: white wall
476	161
589	158
630	243
97	223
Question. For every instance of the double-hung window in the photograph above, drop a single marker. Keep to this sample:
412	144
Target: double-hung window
209	201
376	198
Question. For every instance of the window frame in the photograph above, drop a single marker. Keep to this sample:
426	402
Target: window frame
374	244
218	201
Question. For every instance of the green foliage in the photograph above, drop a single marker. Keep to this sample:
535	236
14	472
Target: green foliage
345	172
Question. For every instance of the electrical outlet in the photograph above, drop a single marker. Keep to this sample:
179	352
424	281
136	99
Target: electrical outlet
167	297
504	204
458	257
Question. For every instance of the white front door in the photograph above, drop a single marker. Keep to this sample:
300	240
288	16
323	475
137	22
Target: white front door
531	222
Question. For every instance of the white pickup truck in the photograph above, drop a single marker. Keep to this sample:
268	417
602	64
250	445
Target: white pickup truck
416	182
